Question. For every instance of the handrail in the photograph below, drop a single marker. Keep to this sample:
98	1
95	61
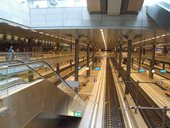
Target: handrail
26	65
44	62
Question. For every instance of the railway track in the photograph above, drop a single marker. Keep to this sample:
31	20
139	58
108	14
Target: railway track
113	114
153	118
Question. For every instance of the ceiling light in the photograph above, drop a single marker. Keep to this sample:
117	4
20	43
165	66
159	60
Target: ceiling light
163	35
101	30
41	32
33	30
104	41
157	37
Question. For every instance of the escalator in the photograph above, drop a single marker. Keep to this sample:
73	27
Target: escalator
36	94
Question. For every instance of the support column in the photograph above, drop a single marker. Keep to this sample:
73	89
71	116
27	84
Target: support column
30	76
58	46
152	61
71	53
93	58
88	52
57	67
76	61
163	66
128	65
132	62
116	64
120	59
140	57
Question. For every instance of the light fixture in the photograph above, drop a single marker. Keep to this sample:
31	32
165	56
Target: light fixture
104	41
41	32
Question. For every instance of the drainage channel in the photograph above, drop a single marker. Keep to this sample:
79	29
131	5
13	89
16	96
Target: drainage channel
113	114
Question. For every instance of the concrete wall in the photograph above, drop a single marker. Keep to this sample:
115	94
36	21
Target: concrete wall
93	6
42	97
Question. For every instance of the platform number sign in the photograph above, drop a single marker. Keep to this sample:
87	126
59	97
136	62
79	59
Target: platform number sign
162	71
141	70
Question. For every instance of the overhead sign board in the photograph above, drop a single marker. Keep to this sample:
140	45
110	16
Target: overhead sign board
142	70
162	71
97	68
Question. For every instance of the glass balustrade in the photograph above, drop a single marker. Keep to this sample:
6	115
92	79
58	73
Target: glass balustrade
30	56
17	76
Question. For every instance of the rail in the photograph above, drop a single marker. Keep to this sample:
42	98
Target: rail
153	118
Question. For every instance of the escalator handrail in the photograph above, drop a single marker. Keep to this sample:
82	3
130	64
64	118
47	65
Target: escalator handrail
22	62
46	63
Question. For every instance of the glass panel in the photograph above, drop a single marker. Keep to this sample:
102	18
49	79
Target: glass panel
27	56
49	74
56	3
16	76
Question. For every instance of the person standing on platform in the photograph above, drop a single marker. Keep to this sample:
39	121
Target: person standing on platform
10	53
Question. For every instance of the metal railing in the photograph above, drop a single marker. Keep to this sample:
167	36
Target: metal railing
31	56
16	76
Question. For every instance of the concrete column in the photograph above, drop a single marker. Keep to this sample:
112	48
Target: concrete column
140	57
128	65
120	59
152	61
76	59
88	52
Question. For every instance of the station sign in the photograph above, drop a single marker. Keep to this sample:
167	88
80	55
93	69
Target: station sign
142	70
162	71
97	68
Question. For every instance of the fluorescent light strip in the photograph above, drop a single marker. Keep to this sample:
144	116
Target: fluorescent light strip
41	32
104	41
163	35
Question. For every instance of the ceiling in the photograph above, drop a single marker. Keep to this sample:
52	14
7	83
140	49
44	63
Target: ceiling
93	36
